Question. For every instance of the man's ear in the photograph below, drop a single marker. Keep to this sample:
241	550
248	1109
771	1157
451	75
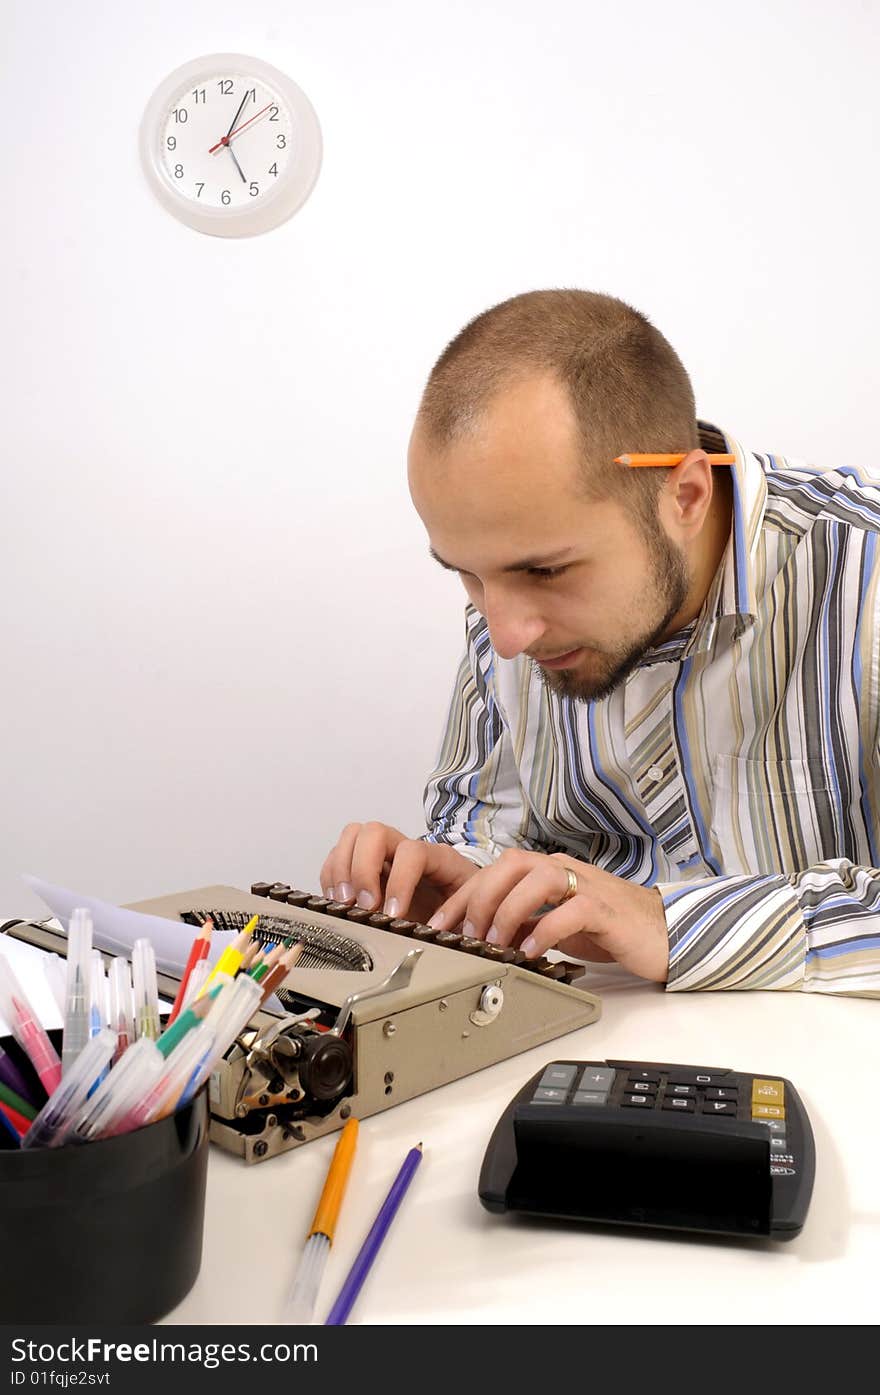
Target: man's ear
687	494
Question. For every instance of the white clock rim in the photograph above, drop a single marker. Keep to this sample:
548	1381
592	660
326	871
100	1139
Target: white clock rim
273	208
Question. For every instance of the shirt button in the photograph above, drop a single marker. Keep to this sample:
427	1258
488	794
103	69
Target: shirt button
655	772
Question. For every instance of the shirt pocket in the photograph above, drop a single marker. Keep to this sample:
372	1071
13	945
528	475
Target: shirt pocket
771	816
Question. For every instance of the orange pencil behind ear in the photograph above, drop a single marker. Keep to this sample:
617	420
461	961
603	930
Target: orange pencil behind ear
668	460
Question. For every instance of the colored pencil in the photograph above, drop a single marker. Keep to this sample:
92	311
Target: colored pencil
669	461
370	1248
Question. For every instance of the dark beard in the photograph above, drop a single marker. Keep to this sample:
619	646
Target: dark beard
671	577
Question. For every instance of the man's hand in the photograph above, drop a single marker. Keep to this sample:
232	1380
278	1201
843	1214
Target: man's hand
381	869
605	919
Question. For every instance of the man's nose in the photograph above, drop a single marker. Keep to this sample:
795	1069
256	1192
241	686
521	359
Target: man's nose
512	629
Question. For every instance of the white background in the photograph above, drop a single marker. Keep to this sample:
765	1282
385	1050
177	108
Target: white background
222	636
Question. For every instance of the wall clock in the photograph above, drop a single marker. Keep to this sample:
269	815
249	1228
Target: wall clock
230	145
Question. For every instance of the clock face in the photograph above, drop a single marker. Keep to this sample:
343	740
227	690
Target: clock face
230	145
227	141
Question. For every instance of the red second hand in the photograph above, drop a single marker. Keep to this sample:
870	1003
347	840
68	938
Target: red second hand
224	140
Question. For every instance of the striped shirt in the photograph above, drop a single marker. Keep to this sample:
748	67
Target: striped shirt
738	766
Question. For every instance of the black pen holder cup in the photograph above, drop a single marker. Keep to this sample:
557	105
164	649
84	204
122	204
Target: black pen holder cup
106	1232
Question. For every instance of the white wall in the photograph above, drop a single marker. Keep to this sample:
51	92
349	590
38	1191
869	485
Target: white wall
222	635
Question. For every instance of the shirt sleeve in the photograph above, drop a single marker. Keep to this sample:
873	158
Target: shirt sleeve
817	931
474	800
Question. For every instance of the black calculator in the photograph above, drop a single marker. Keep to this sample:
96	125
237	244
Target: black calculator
636	1143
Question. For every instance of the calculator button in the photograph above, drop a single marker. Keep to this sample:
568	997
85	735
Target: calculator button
714	1093
558	1077
778	1144
543	1095
681	1103
590	1097
652	1076
768	1092
699	1077
597	1078
686	1091
773	1126
767	1111
722	1107
638	1101
641	1087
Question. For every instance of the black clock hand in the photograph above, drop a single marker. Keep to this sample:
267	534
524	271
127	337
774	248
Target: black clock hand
237	165
232	126
234	121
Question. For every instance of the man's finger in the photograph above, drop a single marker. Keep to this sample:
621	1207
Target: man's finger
475	903
375	843
336	871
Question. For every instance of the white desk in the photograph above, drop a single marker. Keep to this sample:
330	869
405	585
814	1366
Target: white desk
448	1261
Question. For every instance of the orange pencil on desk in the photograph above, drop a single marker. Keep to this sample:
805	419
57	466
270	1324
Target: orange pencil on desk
200	946
669	461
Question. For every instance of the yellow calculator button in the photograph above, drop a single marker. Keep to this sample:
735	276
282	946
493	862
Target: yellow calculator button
768	1092
767	1111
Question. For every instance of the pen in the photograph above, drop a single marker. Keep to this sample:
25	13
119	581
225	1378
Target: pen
304	1293
146	993
12	1077
230	1016
370	1248
200	946
15	1101
121	1006
669	461
12	1116
78	987
27	1029
58	1113
8	1130
175	1072
119	1091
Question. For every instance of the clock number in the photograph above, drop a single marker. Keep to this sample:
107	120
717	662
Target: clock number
274	113
225	197
200	187
254	189
199	94
178	171
252	93
181	114
280	142
225	86
171	142
273	169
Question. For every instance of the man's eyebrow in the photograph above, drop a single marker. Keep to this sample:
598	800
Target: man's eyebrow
526	565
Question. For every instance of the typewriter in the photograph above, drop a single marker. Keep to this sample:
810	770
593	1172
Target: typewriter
376	1011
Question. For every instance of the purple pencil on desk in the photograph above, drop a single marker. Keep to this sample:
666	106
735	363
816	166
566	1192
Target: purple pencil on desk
370	1248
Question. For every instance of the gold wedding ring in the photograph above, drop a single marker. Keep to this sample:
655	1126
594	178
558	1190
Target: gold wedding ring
571	889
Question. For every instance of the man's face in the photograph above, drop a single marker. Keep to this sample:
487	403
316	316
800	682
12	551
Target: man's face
573	583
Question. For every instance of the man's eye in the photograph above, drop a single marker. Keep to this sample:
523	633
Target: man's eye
546	573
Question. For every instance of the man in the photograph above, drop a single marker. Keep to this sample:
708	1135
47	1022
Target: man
666	726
